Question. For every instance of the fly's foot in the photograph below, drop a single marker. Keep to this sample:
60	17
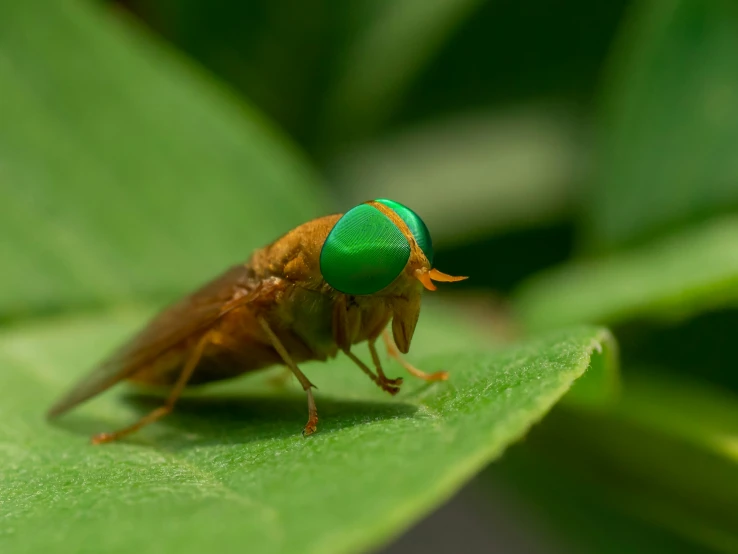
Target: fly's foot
102	438
390	388
411	369
437	376
310	427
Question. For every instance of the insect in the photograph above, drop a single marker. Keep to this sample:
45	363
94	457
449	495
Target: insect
318	290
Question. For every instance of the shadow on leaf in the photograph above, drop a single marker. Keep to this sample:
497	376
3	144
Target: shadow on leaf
212	420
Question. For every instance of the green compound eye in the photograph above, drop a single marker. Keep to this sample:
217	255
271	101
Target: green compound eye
415	224
364	252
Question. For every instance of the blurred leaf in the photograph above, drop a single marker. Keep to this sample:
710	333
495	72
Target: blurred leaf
670	121
124	172
577	510
702	346
656	477
249	45
397	41
475	174
478	61
509	53
501	261
228	470
684	409
676	276
665	454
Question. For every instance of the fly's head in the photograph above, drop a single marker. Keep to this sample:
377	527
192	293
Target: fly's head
382	249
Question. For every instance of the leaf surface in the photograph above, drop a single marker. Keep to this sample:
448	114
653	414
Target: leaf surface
230	467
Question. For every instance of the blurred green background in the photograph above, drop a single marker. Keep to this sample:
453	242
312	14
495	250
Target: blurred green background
578	160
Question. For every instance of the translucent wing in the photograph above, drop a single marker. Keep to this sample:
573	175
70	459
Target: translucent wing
188	317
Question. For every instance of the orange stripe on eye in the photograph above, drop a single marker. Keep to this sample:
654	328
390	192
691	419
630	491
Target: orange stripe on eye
401	225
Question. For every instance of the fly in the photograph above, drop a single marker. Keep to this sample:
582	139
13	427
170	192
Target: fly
323	287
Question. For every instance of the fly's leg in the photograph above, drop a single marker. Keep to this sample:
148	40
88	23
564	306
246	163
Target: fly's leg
312	425
411	369
346	323
383	383
158	413
378	366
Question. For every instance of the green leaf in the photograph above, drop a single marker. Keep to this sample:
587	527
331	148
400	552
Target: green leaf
673	277
249	45
657	477
664	454
125	172
667	138
697	414
229	468
590	509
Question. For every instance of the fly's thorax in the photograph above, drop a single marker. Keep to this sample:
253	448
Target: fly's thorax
295	256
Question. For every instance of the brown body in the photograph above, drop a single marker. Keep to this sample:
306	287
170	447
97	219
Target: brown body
282	284
275	309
